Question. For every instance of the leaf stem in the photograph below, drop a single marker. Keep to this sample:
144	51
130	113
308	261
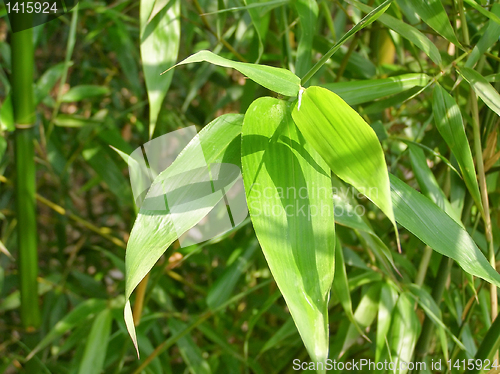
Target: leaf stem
368	19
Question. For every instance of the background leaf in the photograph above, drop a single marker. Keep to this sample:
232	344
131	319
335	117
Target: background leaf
160	38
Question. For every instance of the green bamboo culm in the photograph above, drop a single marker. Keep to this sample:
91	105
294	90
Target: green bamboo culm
24	117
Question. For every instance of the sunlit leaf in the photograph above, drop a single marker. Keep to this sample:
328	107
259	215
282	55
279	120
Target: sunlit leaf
482	88
153	230
275	79
346	142
288	194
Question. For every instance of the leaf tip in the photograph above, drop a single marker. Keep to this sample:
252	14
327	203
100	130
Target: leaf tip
129	322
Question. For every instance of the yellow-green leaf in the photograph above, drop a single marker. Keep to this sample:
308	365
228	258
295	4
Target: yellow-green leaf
289	198
346	142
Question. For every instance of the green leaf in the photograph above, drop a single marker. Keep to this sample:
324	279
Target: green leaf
287	186
77	316
97	344
432	310
153	231
346	142
488	39
433	13
358	92
482	88
406	31
404	331
223	287
435	228
47	81
260	15
366	21
491	15
308	17
448	120
82	92
278	80
364	315
428	183
160	39
188	349
387	302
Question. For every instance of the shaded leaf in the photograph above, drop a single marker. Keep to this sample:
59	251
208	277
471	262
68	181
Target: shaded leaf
433	13
160	39
357	92
79	93
97	344
435	228
406	31
77	316
308	17
448	120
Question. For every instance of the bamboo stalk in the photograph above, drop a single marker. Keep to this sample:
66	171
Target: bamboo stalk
24	117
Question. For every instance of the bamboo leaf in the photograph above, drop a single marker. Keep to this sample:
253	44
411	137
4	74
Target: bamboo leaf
160	39
259	11
430	308
406	31
278	80
153	230
308	16
97	344
482	88
358	92
366	21
387	302
449	123
346	142
491	15
433	14
84	91
488	39
188	349
365	314
287	186
404	332
223	287
77	316
428	183
435	228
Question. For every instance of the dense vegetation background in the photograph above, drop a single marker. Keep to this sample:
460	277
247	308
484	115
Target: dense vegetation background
214	307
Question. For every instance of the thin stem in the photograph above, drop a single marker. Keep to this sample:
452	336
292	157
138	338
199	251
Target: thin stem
484	196
24	117
368	19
